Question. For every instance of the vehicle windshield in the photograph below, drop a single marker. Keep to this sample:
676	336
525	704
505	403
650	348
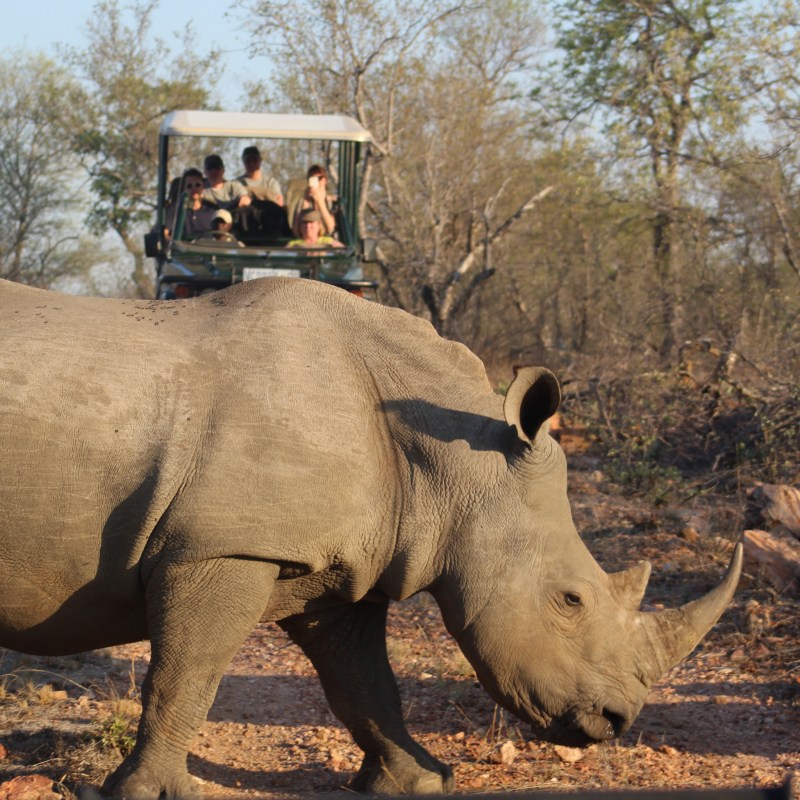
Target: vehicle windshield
243	196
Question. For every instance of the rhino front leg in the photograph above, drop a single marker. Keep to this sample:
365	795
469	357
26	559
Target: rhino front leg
197	616
347	646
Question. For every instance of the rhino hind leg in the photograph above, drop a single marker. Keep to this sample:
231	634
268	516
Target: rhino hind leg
198	616
347	646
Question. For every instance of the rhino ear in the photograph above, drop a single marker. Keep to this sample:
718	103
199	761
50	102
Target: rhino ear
532	398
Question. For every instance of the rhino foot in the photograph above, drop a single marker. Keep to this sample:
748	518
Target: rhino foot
134	781
403	774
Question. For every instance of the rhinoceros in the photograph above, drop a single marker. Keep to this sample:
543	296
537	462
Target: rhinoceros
284	451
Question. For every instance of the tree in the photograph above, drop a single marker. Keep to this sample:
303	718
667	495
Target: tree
131	82
447	175
39	196
658	71
751	258
769	73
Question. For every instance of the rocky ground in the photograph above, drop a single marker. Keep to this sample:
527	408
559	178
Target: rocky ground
727	717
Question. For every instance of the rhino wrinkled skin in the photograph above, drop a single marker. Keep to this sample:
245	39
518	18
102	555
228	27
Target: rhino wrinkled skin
284	451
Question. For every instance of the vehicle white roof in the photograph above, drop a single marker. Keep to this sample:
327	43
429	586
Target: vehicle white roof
247	125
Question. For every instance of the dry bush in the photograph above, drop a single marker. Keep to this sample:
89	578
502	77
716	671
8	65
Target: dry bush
715	420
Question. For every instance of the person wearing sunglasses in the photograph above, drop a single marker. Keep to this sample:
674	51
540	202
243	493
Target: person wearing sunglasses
198	212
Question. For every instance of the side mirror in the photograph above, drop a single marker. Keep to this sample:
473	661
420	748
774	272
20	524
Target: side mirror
369	250
152	245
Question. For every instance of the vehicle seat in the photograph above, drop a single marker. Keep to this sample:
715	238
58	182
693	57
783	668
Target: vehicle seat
262	223
295	190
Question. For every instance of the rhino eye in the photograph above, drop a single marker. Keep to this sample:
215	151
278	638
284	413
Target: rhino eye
572	599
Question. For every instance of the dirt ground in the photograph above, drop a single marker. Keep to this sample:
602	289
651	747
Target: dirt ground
727	717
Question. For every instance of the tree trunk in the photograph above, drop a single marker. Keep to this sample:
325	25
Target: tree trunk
665	172
662	259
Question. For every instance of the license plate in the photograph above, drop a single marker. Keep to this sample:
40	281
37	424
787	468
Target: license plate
251	273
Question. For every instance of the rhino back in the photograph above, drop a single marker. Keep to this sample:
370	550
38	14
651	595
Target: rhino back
301	459
256	422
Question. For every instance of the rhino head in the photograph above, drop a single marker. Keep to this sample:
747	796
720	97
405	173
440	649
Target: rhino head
552	637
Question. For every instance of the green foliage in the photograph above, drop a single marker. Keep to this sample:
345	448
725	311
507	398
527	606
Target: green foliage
668	217
650	65
117	732
655	72
440	87
771	66
635	466
39	196
132	80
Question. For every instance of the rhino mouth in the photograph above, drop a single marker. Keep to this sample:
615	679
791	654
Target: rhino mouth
582	728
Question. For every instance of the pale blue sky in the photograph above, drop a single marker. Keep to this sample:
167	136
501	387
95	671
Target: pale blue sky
36	25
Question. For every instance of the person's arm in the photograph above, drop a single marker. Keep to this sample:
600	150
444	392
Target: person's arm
244	199
328	220
238	194
306	202
275	188
319	196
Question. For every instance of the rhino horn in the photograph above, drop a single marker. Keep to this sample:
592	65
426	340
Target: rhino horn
629	585
671	635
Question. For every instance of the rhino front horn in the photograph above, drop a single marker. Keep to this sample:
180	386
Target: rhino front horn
671	635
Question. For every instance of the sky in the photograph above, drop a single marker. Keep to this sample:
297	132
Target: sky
36	25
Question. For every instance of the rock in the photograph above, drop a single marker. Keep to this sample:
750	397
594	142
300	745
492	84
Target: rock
505	754
336	759
3	753
775	505
689	534
776	556
759	618
569	754
28	787
534	744
692	524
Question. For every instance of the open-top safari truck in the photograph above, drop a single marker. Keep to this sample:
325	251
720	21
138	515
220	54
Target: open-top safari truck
187	267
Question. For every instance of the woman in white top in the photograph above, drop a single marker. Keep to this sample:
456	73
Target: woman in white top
316	197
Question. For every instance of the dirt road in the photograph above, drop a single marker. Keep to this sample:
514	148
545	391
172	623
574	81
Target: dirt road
727	717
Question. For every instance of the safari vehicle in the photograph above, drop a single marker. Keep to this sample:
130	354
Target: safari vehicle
186	268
